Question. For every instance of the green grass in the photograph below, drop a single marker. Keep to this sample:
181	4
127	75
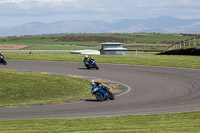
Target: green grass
66	47
58	47
42	40
23	88
151	38
131	58
149	48
158	123
50	42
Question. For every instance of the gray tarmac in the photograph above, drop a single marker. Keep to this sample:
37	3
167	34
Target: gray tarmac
152	90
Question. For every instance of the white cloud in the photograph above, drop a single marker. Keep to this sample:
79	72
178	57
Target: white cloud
37	7
11	1
98	9
19	1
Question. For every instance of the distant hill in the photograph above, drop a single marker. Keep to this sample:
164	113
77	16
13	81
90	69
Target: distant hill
163	24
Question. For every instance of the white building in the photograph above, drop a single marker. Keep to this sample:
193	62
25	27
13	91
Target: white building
112	48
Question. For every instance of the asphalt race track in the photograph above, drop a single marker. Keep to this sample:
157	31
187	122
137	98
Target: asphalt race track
152	90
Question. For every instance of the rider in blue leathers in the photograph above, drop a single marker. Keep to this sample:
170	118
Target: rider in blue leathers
98	85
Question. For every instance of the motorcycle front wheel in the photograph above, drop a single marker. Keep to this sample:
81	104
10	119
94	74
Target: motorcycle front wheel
4	62
111	96
97	68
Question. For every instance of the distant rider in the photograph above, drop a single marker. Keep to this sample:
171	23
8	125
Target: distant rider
98	85
86	59
1	56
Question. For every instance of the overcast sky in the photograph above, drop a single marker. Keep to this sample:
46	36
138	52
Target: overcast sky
18	12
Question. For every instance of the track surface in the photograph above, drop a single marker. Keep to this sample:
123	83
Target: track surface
153	90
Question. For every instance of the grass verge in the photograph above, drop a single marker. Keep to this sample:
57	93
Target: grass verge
165	123
183	61
24	88
58	47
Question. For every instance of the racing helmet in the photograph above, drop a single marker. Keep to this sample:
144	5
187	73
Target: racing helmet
86	56
92	82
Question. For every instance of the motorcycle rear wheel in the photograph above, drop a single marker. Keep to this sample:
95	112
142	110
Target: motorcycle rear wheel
99	96
88	67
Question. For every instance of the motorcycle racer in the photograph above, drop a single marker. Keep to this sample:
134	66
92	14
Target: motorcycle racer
101	92
89	62
1	56
86	59
2	60
98	85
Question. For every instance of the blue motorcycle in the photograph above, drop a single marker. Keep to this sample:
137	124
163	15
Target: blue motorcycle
91	64
2	60
102	94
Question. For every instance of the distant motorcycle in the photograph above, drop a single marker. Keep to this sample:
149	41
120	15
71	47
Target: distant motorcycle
101	94
2	60
91	64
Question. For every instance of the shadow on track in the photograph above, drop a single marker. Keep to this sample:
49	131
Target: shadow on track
90	100
86	69
83	69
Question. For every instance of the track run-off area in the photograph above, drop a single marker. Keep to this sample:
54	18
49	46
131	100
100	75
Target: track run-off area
151	90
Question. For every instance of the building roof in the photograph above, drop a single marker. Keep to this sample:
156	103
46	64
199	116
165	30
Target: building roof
116	49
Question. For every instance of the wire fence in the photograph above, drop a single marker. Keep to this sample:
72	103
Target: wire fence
191	42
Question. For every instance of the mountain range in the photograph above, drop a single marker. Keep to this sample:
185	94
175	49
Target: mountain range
164	24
